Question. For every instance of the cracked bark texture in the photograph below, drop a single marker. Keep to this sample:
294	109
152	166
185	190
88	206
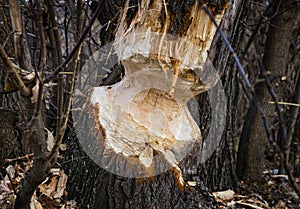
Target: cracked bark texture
252	144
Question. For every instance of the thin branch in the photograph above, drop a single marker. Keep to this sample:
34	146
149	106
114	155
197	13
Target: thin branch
55	34
242	72
60	102
14	75
25	158
16	21
57	60
289	103
78	43
7	38
284	150
274	97
267	12
69	92
44	59
294	115
22	52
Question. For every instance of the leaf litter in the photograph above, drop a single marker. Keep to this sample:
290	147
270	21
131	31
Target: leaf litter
50	194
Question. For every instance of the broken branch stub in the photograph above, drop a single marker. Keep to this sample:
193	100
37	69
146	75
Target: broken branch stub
141	126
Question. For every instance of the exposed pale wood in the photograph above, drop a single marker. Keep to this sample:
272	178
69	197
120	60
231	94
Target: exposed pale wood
114	191
147	112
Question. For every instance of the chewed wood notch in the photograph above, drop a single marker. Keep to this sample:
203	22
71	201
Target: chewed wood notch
96	115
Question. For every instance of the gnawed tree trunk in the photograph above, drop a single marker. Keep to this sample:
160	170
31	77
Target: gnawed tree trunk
94	187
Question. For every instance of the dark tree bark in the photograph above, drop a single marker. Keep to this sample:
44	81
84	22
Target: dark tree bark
218	172
8	136
35	133
93	187
252	144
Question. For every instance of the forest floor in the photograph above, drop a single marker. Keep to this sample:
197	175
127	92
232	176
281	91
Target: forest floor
273	193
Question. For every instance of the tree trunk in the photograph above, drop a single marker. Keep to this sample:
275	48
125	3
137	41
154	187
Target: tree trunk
250	163
8	137
94	187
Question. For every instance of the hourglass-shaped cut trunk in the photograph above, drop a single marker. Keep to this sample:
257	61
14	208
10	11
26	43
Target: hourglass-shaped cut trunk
145	115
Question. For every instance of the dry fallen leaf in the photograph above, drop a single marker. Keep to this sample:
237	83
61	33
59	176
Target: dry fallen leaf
281	205
224	195
69	205
34	204
50	140
4	188
61	185
63	147
10	171
53	188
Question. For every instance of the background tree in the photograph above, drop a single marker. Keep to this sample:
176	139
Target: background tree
275	52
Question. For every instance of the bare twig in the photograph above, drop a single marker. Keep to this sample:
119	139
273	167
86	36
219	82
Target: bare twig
242	72
284	150
283	153
55	32
16	23
274	97
25	157
267	12
294	115
65	116
289	103
78	43
40	166
44	59
22	52
11	181
14	75
7	38
60	102
57	60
